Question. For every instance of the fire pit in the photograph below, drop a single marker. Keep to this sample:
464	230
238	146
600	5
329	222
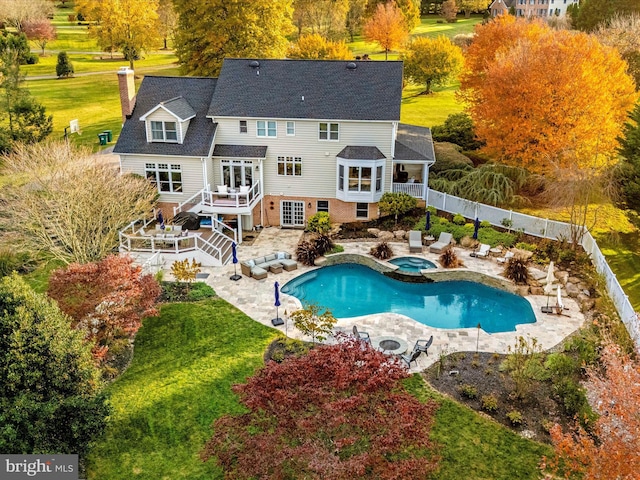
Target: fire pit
390	345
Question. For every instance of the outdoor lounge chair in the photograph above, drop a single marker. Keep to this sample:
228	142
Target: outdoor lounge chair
506	258
483	252
415	241
362	336
412	357
443	242
423	345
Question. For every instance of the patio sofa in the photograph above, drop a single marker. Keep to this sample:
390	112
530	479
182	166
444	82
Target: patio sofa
258	267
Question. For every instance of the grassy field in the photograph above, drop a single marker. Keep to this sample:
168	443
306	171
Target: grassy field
186	361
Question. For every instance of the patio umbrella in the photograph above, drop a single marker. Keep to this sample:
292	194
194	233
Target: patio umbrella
476	227
235	277
559	303
277	321
548	288
427	225
160	219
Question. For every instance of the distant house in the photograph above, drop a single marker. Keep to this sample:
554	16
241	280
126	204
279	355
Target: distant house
531	8
272	142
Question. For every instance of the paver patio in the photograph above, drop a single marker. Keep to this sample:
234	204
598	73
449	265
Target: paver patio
256	299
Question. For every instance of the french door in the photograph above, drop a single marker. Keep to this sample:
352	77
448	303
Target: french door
291	213
236	173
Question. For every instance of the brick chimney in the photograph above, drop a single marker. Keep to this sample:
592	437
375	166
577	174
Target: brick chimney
127	91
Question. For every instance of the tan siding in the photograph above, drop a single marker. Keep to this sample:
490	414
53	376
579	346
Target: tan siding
191	173
318	157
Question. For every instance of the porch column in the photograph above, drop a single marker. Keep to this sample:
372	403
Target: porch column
239	228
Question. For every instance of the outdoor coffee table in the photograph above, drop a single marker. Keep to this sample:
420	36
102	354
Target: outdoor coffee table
275	268
390	345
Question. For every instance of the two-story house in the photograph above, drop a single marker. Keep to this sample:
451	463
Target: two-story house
272	142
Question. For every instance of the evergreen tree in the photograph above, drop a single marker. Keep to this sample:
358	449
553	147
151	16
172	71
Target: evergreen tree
629	169
64	67
51	391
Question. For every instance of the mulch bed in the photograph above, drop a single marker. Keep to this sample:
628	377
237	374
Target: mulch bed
540	409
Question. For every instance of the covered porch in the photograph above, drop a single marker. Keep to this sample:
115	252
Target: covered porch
413	155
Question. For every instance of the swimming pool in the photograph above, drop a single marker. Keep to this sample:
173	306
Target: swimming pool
412	264
351	290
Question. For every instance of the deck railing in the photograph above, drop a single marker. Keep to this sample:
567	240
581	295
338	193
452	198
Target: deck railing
414	189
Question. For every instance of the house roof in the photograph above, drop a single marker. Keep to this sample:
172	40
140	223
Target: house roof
361	153
414	143
177	106
195	93
314	89
240	151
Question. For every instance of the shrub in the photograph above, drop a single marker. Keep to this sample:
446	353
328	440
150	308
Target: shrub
382	251
574	399
529	247
307	253
524	364
10	260
516	269
485	224
319	223
396	204
449	259
335	249
185	271
458	219
32	59
181	292
323	244
560	365
515	417
468	391
449	158
458	129
489	403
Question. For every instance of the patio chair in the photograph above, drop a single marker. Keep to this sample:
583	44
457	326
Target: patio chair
362	336
506	257
483	252
423	345
443	242
415	241
412	357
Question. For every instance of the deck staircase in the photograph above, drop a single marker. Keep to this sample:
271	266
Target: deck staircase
216	245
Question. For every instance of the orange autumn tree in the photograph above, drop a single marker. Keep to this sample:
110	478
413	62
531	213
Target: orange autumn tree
387	27
550	101
611	450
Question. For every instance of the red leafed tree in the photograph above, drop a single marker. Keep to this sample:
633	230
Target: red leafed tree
339	412
612	449
40	31
108	298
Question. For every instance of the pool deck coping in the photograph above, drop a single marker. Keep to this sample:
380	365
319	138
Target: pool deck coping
256	299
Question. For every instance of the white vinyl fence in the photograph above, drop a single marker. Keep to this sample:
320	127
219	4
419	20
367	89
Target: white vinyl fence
544	228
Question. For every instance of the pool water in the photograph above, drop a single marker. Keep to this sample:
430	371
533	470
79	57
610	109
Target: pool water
351	290
412	264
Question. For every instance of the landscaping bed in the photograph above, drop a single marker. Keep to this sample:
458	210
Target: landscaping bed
479	381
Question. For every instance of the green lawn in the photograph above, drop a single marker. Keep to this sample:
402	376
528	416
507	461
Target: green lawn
101	63
475	447
623	256
186	361
180	380
429	110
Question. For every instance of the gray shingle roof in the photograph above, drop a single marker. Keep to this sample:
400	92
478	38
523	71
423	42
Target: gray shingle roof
240	151
414	143
361	153
180	108
197	92
371	91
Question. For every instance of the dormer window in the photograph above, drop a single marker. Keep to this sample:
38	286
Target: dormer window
164	132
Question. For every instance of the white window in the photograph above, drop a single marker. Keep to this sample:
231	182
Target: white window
359	179
243	126
167	177
379	178
290	166
362	210
341	178
322	206
164	132
291	128
328	131
266	128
